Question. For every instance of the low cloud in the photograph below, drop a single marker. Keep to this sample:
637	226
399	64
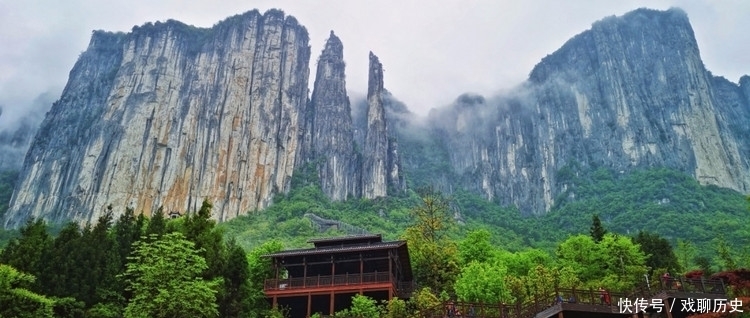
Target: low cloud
432	52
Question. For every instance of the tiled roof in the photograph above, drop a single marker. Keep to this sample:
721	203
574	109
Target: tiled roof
345	238
339	249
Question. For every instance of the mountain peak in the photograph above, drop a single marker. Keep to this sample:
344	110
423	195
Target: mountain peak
375	83
635	37
333	48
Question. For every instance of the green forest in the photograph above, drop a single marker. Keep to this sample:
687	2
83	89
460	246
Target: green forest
661	201
608	229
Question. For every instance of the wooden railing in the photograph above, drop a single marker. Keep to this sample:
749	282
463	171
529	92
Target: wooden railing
530	307
330	280
537	304
688	285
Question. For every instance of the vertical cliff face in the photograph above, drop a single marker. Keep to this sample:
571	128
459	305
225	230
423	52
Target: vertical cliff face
381	168
631	92
169	115
374	169
330	126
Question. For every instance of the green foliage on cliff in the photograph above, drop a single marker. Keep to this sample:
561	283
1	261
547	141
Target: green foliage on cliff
286	219
662	201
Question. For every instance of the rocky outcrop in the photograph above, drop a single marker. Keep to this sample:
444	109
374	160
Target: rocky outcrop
329	131
168	115
381	168
631	92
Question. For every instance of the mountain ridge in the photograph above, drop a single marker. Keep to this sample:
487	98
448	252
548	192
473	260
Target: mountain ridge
631	92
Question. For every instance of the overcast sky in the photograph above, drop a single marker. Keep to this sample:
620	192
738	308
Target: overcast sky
432	51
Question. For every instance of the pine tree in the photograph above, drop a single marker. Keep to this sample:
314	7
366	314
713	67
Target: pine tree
83	264
597	230
157	224
59	272
659	252
235	299
200	229
127	230
104	260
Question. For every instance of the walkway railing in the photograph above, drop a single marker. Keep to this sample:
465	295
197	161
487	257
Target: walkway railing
681	285
327	280
537	304
531	307
706	286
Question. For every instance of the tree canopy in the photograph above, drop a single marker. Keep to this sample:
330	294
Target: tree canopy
434	256
164	275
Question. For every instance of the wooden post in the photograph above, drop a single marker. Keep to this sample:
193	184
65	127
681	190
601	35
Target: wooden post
309	305
390	275
330	312
304	271
276	266
333	271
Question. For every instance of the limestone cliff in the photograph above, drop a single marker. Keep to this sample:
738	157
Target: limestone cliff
630	92
381	168
329	131
168	115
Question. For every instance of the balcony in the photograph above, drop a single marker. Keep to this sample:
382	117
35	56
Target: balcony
336	282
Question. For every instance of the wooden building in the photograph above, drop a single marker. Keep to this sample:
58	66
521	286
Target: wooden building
323	279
